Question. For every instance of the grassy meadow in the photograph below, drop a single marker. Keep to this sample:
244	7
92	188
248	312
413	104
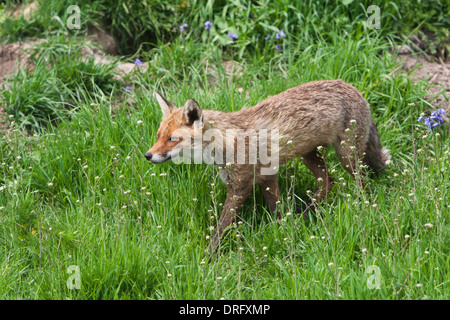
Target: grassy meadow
76	189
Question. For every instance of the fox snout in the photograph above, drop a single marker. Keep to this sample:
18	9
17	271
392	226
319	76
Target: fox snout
157	158
148	156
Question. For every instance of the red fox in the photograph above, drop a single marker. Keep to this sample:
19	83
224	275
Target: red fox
299	121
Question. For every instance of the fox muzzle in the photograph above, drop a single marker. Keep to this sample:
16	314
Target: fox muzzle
148	156
156	158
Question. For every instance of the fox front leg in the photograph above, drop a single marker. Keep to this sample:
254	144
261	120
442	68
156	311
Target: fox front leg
235	200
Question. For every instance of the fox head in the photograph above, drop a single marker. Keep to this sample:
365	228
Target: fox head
177	128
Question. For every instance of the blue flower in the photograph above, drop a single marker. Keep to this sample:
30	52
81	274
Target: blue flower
127	89
427	122
183	26
208	25
280	35
433	121
278	47
436	116
435	124
233	36
267	38
138	62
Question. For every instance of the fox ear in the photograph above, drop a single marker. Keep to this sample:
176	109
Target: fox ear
192	113
166	106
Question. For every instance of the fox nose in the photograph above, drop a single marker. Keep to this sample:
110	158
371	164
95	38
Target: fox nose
148	156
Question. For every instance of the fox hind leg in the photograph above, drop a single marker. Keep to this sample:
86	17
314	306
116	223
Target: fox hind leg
271	192
315	162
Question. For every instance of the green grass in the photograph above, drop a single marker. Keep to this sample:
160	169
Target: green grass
81	193
60	78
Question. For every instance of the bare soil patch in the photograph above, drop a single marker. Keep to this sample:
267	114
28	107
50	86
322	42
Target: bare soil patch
430	68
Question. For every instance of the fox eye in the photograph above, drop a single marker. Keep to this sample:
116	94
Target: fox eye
173	139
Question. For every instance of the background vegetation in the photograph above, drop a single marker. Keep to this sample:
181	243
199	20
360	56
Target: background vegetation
76	189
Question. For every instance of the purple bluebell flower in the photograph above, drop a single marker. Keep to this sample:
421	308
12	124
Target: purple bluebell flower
436	116
127	89
208	25
280	35
427	122
278	47
267	38
183	26
434	120
138	62
233	36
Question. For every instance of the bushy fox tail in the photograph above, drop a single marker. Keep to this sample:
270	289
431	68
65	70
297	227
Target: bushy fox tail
376	156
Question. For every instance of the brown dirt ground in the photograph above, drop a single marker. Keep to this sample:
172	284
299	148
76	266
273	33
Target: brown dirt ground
434	70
